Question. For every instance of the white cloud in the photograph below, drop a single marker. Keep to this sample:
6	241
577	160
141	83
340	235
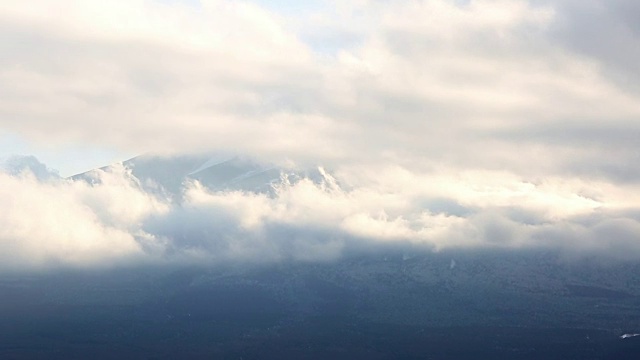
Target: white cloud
439	81
54	222
60	222
503	127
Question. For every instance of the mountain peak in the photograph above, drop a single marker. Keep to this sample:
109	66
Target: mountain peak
216	172
17	165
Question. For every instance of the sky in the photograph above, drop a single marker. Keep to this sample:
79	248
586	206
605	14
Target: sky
525	113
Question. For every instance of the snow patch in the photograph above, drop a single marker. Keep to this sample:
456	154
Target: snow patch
217	160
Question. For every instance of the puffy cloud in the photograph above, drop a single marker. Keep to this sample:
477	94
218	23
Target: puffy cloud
111	221
61	222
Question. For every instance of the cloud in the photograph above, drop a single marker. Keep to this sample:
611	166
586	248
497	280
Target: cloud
483	123
419	83
52	222
112	222
604	31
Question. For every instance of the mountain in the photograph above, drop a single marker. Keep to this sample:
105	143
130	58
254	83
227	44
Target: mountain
20	164
508	305
385	301
214	171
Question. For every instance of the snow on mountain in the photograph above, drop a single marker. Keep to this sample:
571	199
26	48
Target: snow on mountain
28	164
213	161
216	172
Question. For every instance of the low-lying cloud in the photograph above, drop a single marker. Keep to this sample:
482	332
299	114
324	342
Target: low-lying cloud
53	222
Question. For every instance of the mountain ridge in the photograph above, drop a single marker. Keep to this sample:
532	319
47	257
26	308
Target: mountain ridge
216	172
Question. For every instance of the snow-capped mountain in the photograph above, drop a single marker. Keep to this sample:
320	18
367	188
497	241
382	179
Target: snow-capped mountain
20	164
215	172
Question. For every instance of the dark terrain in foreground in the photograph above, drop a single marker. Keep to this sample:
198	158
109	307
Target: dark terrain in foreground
379	306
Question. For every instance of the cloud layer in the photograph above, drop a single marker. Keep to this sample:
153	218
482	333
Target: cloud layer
488	84
54	222
482	123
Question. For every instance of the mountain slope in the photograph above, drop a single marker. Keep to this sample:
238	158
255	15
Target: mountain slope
215	172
